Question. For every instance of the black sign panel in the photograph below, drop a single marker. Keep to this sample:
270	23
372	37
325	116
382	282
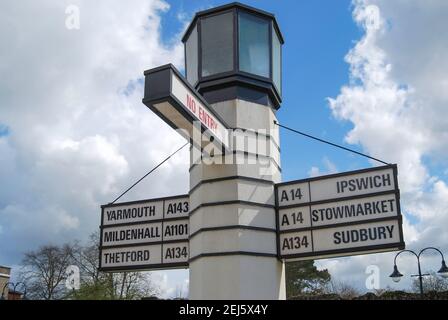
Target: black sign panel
349	213
145	235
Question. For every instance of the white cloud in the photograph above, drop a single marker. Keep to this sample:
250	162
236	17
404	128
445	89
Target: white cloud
396	101
329	168
171	283
78	133
160	280
314	172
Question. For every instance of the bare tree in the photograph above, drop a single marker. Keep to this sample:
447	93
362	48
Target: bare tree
44	274
433	282
86	258
344	290
103	285
134	285
44	271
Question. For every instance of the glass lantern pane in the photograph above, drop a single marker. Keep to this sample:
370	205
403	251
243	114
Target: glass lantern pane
276	61
253	44
192	56
217	44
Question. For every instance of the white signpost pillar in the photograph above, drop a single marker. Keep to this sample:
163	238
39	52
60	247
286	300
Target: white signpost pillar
233	252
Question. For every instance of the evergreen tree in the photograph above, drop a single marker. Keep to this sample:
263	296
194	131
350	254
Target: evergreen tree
302	277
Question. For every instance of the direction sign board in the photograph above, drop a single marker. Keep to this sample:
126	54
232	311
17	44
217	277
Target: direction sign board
341	214
172	98
146	234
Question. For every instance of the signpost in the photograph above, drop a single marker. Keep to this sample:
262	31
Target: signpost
341	214
147	234
236	251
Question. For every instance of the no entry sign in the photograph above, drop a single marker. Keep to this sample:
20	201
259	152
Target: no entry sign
342	214
173	99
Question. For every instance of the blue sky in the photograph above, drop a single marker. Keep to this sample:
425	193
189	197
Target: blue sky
382	63
318	34
3	130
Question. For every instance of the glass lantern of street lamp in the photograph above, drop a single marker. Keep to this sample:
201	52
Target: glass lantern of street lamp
234	52
443	272
396	275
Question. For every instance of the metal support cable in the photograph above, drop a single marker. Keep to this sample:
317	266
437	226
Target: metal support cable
151	171
330	143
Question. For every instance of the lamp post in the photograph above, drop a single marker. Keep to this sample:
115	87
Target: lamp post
24	289
396	275
14	285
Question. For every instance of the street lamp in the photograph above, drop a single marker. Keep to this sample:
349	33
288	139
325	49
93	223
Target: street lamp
24	289
396	275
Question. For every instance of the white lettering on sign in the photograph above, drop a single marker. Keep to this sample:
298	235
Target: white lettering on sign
353	185
354	210
134	212
139	233
145	256
362	209
146	211
294	218
296	243
177	208
131	256
175	230
336	187
199	111
166	230
145	234
293	194
328	240
340	213
175	252
362	235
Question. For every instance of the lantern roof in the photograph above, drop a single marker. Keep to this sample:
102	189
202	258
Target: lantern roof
232	5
